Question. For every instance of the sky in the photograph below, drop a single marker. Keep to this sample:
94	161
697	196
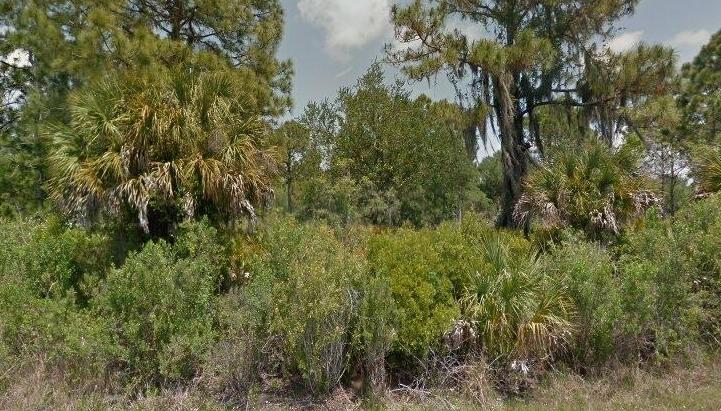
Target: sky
332	42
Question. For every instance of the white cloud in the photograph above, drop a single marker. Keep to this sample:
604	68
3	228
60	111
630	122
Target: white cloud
348	24
625	41
690	39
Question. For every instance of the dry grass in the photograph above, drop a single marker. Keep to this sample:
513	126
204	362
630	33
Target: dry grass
696	388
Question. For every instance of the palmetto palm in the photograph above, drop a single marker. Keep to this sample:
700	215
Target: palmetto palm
172	139
590	187
707	169
519	310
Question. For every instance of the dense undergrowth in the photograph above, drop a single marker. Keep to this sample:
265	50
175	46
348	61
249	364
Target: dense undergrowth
303	309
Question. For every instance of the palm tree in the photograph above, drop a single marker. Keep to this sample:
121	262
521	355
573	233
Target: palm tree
707	169
520	311
170	143
589	187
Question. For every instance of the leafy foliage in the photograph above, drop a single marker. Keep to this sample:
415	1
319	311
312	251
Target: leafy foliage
50	49
491	180
591	189
149	125
420	287
532	55
160	305
70	44
707	169
701	97
311	297
519	310
382	158
51	261
588	274
167	145
148	321
672	278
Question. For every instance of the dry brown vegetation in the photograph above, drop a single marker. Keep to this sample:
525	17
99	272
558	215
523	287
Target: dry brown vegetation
623	388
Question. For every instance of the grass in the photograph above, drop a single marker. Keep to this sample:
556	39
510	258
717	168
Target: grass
695	388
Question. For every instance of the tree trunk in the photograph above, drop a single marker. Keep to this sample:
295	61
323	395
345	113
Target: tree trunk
513	149
515	168
289	183
175	11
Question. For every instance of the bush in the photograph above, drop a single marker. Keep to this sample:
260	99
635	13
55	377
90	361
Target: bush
160	305
588	274
57	334
519	310
308	295
53	260
672	278
375	334
420	285
471	272
327	307
233	366
45	269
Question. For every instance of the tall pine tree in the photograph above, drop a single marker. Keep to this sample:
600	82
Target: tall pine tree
529	55
71	44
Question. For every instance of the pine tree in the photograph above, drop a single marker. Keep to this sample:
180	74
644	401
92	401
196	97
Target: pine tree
701	97
530	55
71	44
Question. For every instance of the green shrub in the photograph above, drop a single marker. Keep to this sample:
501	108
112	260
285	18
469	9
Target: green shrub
233	365
472	272
672	278
588	274
699	231
306	291
375	334
51	259
458	252
45	272
645	330
517	308
420	285
160	305
54	333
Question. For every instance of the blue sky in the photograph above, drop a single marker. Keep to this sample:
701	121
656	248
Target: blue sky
332	42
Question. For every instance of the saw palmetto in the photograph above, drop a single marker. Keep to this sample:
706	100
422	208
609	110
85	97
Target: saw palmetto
171	139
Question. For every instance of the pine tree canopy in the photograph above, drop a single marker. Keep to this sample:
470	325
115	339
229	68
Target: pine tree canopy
511	59
71	42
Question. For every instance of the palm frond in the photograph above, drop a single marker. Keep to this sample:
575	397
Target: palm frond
707	170
170	137
591	188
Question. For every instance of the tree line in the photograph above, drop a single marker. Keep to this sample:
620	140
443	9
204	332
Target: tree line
541	79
